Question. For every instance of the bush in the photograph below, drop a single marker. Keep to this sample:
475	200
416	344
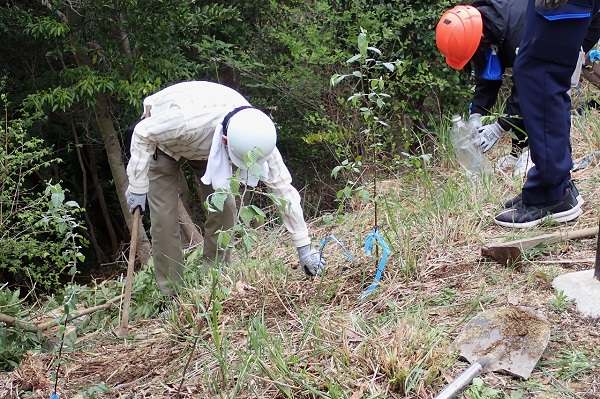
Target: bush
38	229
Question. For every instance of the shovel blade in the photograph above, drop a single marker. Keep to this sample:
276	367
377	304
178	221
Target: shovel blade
511	339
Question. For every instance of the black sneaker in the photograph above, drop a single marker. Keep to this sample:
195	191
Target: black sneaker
521	215
580	201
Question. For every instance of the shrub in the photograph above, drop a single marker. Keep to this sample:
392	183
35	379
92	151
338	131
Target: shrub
38	229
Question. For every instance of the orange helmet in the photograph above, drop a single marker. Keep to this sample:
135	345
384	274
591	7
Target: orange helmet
458	34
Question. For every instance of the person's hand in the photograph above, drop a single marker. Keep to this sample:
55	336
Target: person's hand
489	134
550	3
475	120
135	200
311	260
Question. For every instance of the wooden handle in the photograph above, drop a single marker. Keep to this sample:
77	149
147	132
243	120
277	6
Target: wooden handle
124	329
525	243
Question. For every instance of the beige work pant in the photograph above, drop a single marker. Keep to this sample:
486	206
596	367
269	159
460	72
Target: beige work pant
165	182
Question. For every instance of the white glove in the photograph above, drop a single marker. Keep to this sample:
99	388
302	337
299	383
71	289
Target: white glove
475	120
489	134
311	260
135	200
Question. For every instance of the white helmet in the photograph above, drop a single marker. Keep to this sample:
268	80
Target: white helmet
247	129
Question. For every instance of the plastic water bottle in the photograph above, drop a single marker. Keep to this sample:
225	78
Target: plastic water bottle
465	140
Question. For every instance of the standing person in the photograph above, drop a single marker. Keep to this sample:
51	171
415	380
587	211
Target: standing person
205	125
548	55
484	37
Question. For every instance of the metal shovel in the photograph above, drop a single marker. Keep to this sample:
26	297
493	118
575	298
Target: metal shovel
510	339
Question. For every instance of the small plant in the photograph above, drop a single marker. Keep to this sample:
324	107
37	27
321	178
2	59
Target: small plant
247	214
97	389
35	238
60	218
445	298
561	302
574	364
478	390
14	342
365	149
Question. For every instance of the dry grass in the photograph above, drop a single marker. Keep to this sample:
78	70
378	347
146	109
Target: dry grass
280	334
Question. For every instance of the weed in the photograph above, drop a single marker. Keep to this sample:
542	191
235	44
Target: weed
561	302
445	298
478	390
575	363
94	390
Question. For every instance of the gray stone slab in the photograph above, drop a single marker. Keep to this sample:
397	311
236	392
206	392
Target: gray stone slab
583	288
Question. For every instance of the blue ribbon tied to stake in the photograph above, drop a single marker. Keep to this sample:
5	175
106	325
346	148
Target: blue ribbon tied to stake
370	241
334	239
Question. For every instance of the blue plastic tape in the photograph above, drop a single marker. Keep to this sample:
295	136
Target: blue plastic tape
370	241
334	239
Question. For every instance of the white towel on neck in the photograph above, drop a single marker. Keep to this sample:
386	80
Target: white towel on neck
218	168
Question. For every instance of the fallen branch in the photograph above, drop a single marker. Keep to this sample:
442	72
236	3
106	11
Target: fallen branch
31	327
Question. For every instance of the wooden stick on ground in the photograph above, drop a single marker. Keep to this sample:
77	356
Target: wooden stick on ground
124	329
509	253
31	327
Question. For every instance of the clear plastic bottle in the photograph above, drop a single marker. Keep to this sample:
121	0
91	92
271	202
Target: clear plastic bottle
465	140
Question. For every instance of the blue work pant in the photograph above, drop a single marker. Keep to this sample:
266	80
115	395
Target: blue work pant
542	72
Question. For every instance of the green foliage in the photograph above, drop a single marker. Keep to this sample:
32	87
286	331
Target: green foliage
248	214
41	245
422	87
561	302
38	230
94	390
14	342
60	217
369	99
478	390
575	363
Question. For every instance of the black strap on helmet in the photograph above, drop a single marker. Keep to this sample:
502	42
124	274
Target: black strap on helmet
225	122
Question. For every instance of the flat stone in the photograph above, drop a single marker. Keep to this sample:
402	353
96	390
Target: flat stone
583	288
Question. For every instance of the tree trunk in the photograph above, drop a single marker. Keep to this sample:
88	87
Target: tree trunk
82	165
100	193
190	231
114	155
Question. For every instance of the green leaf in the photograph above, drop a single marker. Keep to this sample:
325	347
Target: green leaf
390	66
246	215
248	241
354	58
218	198
375	50
258	213
362	43
223	238
335	171
336	79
